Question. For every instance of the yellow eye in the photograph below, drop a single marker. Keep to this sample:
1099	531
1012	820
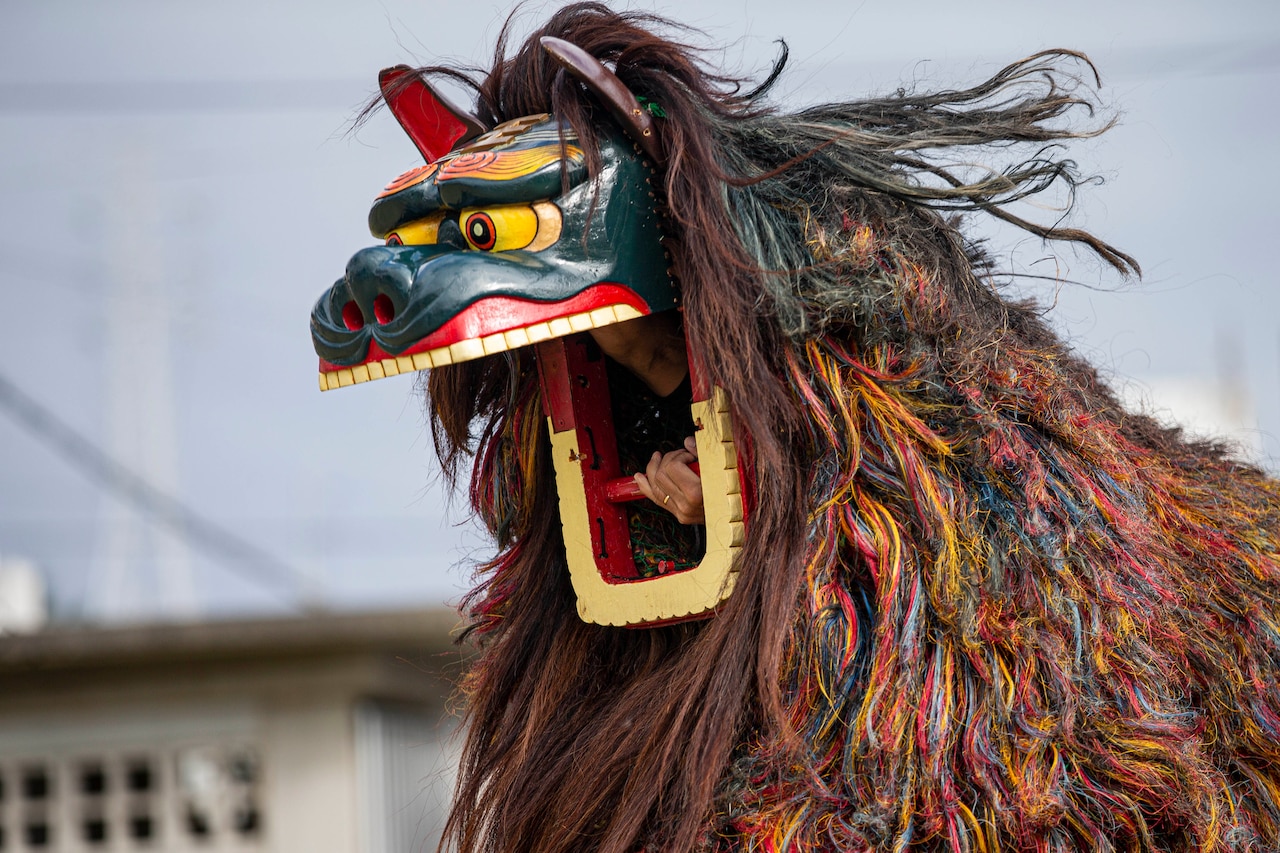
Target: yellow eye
511	226
421	232
501	228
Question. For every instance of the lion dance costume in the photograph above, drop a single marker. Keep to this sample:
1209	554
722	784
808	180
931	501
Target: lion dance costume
950	595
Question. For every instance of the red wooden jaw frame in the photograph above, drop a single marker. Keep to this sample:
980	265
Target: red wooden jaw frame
593	491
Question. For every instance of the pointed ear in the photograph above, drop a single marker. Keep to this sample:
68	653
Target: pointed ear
434	124
611	91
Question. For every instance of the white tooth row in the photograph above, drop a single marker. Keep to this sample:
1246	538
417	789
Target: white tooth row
477	347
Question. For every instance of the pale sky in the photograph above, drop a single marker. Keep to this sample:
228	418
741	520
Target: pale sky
201	149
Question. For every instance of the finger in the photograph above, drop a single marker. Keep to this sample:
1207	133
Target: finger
694	515
668	492
653	482
691	445
646	488
675	476
680	486
651	470
686	506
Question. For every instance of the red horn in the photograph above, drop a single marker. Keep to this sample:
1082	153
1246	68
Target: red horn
593	74
434	124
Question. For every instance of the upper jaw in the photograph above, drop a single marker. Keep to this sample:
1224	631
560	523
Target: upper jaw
400	299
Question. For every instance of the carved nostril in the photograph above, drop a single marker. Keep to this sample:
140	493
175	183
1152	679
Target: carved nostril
351	317
383	309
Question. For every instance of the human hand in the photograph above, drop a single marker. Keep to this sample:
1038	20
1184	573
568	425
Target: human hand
669	482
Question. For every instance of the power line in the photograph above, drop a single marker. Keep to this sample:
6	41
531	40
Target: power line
238	555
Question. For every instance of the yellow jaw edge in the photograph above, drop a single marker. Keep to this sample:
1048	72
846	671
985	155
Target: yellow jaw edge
675	596
476	347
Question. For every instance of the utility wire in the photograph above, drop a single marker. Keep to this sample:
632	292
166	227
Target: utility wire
240	556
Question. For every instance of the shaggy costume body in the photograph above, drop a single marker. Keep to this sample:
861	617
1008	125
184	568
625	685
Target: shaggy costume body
980	607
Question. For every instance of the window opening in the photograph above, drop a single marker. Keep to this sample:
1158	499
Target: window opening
247	819
94	830
93	780
35	783
139	776
141	827
197	822
38	834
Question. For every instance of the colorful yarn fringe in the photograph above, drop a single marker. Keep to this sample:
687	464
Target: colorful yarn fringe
1014	617
1031	622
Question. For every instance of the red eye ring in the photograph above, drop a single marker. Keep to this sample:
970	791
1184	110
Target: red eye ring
481	231
393	239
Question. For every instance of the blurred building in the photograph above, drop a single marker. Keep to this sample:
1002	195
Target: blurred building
323	733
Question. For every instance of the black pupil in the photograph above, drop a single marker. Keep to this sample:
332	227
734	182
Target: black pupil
480	230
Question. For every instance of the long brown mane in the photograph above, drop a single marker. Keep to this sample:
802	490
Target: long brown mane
980	605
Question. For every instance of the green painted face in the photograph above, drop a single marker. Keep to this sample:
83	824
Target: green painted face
486	250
